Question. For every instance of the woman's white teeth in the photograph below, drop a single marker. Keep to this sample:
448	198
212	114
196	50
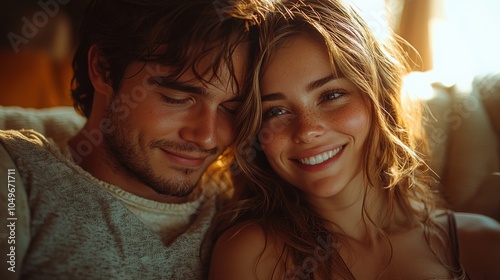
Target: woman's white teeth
321	157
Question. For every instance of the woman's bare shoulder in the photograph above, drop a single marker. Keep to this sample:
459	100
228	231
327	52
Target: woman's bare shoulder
471	222
479	241
244	252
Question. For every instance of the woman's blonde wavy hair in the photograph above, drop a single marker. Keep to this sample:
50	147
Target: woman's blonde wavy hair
394	153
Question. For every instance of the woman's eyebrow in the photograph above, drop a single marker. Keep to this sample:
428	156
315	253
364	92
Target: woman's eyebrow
320	82
273	97
311	86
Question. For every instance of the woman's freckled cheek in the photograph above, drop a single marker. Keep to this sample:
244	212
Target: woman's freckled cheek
280	139
358	120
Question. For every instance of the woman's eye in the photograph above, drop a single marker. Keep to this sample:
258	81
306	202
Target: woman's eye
331	95
274	112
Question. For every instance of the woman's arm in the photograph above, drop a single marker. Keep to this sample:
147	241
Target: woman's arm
479	241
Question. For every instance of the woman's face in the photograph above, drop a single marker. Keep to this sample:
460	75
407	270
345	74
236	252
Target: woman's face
314	125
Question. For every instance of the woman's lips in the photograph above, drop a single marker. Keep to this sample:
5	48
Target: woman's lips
321	160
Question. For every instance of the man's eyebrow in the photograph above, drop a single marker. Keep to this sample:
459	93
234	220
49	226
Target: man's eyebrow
318	83
165	82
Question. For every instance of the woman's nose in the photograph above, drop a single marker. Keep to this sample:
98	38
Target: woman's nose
307	127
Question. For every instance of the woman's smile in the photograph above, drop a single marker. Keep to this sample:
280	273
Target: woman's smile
323	120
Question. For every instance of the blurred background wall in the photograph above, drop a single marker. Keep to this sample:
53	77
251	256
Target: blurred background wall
36	49
455	41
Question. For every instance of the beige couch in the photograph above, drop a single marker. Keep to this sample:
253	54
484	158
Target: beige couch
463	129
59	123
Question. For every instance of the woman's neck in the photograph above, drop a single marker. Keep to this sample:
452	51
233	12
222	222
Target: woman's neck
355	211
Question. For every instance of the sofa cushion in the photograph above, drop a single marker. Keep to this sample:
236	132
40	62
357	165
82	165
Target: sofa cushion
58	123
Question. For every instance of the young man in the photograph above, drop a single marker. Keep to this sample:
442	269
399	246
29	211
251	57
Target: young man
160	83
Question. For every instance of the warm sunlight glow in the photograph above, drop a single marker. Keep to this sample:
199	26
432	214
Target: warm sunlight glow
466	40
417	85
375	14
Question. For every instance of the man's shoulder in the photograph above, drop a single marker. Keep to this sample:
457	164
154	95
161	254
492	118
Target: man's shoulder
31	152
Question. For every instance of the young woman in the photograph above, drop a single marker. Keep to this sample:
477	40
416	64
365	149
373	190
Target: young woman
335	186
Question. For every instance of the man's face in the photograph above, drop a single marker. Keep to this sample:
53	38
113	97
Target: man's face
166	133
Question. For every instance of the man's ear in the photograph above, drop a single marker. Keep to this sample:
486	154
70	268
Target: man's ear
97	75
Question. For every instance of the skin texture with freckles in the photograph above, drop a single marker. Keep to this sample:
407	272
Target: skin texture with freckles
338	186
303	121
314	131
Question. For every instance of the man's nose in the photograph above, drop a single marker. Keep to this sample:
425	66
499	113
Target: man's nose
201	128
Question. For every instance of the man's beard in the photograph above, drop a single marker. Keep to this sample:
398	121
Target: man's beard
127	158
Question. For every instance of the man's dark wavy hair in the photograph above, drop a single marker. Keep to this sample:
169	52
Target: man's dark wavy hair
176	33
